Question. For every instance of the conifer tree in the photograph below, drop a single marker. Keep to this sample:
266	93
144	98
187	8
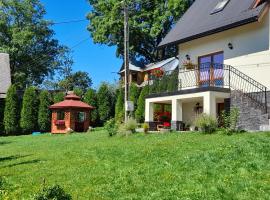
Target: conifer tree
11	112
44	113
29	112
119	106
90	98
140	112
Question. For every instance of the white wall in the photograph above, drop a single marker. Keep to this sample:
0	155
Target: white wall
5	79
251	53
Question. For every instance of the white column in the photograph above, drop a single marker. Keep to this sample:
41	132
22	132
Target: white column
177	110
149	111
209	104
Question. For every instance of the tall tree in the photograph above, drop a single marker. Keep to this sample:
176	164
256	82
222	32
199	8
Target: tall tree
134	96
29	112
105	102
149	21
28	38
90	97
44	113
140	112
80	80
119	106
12	113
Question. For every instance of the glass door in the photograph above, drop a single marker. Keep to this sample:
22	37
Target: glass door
211	70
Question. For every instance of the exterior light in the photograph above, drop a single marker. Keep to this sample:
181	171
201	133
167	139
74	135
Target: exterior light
188	57
230	45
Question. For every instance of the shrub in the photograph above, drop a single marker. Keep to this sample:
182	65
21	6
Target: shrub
29	112
111	127
230	120
134	96
78	92
206	123
146	128
54	192
131	125
12	111
44	113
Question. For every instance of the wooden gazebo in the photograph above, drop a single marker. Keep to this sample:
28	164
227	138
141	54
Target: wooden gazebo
70	115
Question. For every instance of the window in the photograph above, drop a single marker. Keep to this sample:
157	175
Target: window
220	6
80	117
60	115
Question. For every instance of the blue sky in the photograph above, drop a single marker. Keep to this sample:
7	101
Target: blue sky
99	61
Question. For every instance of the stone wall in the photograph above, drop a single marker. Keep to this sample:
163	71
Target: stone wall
251	116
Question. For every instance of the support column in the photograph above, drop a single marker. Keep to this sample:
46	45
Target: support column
209	104
177	115
149	111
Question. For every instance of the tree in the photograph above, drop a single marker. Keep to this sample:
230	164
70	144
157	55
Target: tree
29	112
58	97
78	91
119	106
90	97
11	113
80	80
140	112
149	23
105	102
134	95
44	113
28	39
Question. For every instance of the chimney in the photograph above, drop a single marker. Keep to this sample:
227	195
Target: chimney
5	77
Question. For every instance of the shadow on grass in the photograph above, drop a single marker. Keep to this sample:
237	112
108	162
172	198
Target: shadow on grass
4	142
9	158
22	163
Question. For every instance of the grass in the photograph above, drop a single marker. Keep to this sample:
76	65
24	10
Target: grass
161	166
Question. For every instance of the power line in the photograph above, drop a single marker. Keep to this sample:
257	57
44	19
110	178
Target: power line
69	22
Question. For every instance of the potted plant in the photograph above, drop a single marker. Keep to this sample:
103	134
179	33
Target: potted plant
189	65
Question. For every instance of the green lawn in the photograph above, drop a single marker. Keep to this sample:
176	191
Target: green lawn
161	166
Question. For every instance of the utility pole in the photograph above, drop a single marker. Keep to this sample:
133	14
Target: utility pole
126	46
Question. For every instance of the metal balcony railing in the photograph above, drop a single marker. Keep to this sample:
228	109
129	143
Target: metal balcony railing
208	75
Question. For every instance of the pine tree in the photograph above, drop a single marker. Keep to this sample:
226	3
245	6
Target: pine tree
105	102
90	98
134	96
140	112
119	106
44	113
11	113
29	112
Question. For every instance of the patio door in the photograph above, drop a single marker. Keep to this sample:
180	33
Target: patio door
211	70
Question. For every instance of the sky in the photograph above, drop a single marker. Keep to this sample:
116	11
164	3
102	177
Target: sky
99	61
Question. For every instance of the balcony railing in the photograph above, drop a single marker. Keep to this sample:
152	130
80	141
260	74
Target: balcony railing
208	75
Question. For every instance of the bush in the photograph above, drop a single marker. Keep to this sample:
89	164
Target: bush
58	97
230	120
111	127
206	123
29	112
44	113
146	128
52	193
131	125
12	111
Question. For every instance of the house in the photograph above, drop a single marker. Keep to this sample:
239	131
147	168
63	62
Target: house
5	78
140	74
224	62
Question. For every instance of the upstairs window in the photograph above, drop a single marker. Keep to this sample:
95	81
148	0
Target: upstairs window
220	6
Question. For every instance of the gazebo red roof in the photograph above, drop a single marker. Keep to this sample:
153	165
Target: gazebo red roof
72	101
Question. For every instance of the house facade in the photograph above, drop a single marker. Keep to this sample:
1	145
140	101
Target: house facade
5	78
224	62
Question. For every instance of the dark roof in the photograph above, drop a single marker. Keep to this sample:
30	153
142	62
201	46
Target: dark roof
198	21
